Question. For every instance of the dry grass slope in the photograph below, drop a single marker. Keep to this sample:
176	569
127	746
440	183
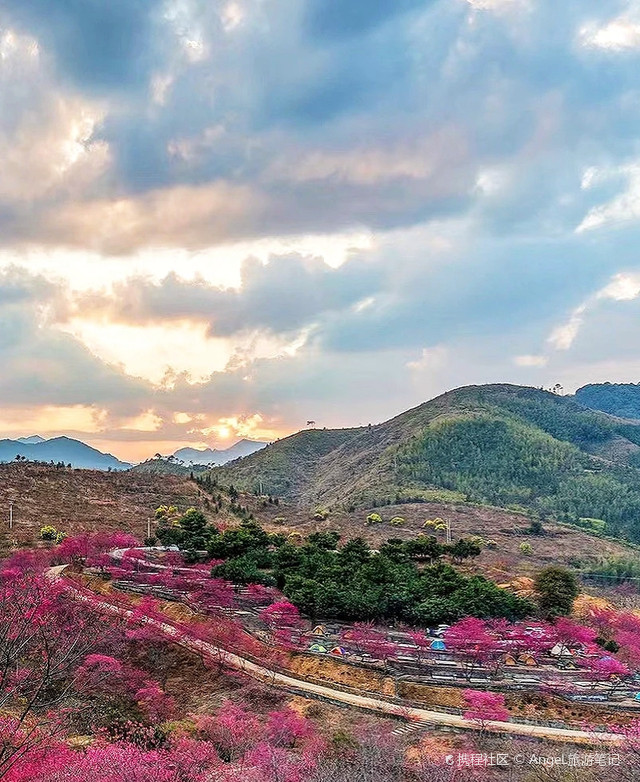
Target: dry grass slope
75	500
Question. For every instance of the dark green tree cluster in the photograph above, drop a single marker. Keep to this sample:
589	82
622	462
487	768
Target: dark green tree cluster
556	590
620	399
506	462
426	548
191	532
248	553
354	583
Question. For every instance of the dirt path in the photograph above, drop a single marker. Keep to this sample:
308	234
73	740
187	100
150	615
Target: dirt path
212	652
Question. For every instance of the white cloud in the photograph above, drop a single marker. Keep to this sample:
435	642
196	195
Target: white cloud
530	361
430	359
49	149
563	336
498	5
624	286
618	35
621	209
423	158
233	14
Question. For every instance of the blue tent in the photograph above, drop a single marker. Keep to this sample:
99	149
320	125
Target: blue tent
438	645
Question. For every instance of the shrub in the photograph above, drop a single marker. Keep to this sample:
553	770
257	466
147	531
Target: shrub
535	528
48	532
437	524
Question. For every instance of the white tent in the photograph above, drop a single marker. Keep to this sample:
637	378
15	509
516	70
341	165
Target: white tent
560	650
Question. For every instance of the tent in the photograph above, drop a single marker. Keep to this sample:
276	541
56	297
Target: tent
438	645
318	630
560	650
319	648
338	651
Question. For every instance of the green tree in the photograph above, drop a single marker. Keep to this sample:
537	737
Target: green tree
195	529
556	589
464	548
327	540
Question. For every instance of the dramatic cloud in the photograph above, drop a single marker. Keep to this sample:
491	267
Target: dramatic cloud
283	295
227	217
43	366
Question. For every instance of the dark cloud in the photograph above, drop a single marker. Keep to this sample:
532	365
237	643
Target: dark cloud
99	46
294	102
281	296
482	288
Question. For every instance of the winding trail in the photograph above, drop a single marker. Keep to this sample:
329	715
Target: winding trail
295	685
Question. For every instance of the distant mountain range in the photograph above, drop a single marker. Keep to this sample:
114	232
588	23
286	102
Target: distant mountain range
34	439
59	449
186	460
217	457
35	448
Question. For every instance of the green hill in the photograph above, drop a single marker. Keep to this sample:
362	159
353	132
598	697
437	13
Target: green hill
619	399
287	467
502	445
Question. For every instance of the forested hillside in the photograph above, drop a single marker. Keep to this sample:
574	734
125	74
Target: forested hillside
502	445
621	399
287	467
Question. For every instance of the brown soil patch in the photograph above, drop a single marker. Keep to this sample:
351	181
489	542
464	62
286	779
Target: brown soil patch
336	672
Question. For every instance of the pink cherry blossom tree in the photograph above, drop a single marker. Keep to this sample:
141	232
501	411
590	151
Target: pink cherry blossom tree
285	622
233	731
286	728
473	642
484	707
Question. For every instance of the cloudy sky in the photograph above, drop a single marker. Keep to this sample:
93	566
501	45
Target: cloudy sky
222	218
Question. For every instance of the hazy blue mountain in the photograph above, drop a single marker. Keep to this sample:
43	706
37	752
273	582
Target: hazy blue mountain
214	456
59	449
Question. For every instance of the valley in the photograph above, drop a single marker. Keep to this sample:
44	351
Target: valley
385	581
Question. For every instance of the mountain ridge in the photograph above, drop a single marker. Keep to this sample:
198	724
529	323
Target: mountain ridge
618	399
499	444
59	449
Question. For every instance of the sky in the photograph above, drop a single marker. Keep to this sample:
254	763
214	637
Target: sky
225	218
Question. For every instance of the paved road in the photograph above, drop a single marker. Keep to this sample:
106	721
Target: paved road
368	703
